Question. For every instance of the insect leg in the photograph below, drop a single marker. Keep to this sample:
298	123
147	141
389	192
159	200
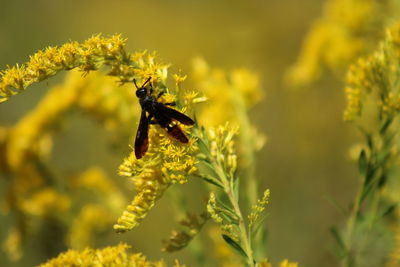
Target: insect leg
151	89
134	81
160	94
151	120
170	104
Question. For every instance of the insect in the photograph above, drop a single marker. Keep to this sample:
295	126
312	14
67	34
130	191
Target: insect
154	112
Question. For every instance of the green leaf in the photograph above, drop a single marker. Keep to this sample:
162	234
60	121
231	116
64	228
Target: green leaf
362	163
226	207
338	239
383	156
210	179
385	126
258	224
369	140
203	147
234	245
365	192
210	168
236	187
334	203
389	210
388	139
382	180
371	171
229	214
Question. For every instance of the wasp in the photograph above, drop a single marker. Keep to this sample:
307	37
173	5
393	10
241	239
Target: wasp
155	112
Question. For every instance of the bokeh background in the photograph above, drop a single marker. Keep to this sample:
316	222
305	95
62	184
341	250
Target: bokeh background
305	161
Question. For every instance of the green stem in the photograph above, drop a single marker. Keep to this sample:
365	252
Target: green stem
373	204
233	199
349	260
244	237
246	141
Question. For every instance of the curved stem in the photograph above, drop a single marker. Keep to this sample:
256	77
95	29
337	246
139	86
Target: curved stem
234	200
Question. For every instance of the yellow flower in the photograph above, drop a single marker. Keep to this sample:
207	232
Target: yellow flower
233	92
346	30
95	179
13	244
257	209
24	138
394	257
91	220
150	185
115	256
47	202
166	162
375	76
90	55
284	263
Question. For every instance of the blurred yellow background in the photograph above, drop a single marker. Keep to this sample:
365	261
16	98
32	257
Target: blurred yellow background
305	161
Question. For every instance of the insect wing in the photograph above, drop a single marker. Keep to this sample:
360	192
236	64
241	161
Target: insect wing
142	136
176	132
176	115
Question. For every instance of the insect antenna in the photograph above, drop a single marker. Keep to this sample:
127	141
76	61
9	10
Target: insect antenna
134	81
146	82
143	85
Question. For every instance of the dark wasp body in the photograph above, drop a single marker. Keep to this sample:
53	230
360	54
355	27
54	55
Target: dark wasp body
154	112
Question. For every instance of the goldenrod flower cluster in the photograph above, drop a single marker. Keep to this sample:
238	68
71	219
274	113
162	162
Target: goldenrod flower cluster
373	104
212	209
394	257
376	76
116	256
284	263
45	202
346	30
13	243
257	209
88	56
166	162
92	219
28	144
210	153
222	148
92	54
234	92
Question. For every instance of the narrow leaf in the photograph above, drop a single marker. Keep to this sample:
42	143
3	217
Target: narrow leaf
258	224
385	126
382	180
234	245
336	204
228	213
211	180
369	140
210	168
362	163
236	187
203	146
338	238
389	210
